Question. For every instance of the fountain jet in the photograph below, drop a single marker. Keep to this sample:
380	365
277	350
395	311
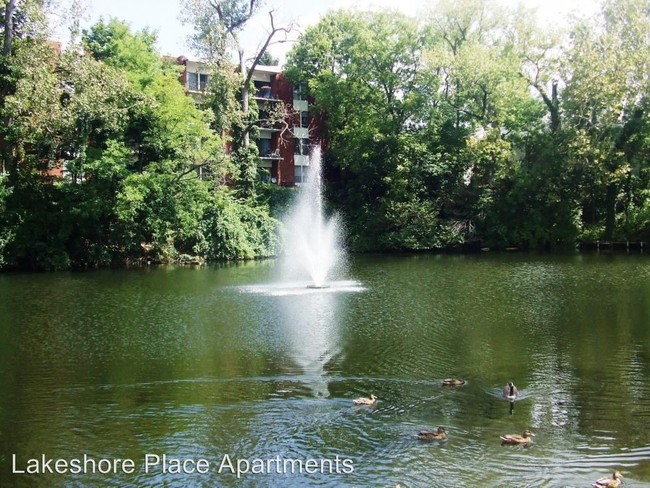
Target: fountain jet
312	241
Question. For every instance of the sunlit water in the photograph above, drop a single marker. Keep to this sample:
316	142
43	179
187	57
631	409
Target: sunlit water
199	363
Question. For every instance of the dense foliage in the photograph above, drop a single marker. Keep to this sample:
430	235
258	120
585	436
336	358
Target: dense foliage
469	125
102	156
477	125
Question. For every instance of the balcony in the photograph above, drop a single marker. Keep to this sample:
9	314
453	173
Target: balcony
264	93
267	123
272	155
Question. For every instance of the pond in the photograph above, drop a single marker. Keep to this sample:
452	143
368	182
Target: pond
212	369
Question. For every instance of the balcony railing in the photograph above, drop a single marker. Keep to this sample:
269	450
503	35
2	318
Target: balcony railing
270	125
271	155
265	93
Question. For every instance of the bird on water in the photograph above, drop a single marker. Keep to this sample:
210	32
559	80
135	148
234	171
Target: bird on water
613	482
516	439
433	435
510	392
371	402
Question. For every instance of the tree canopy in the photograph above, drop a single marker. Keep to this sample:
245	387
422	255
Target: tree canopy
469	125
109	161
477	125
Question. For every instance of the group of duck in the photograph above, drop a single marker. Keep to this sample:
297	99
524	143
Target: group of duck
510	393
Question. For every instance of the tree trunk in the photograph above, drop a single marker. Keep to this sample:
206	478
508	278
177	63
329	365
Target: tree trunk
552	103
248	74
244	95
7	149
9	28
554	108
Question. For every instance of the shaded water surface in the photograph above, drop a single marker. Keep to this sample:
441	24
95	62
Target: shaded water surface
200	363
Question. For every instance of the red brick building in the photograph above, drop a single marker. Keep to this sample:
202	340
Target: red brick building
283	147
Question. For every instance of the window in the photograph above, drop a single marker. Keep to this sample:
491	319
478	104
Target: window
192	81
301	147
197	81
304	119
203	82
264	92
300	93
264	145
300	174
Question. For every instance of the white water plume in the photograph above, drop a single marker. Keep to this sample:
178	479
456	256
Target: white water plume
312	241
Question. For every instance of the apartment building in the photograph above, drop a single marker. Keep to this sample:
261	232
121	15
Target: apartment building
283	145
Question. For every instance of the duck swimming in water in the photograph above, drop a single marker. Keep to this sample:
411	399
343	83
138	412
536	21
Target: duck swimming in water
613	482
371	402
515	439
510	392
433	435
453	382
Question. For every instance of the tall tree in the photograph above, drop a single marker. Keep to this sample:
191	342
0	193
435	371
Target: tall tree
218	25
484	113
539	49
366	75
606	100
20	20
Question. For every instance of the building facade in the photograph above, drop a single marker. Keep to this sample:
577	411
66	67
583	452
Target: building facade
284	144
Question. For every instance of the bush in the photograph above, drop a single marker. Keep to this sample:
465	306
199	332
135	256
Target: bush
278	198
234	230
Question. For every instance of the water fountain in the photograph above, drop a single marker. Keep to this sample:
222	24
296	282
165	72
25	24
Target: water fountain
314	259
312	241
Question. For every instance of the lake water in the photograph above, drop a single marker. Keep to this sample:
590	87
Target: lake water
215	363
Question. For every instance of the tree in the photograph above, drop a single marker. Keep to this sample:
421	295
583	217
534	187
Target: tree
488	60
606	102
425	125
142	168
10	8
134	53
24	20
539	50
365	74
267	59
218	24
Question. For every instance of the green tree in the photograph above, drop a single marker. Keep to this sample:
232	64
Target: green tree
160	202
133	53
364	73
143	169
510	178
65	109
605	102
267	59
423	123
218	25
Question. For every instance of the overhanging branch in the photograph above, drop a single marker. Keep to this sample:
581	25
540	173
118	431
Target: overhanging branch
262	50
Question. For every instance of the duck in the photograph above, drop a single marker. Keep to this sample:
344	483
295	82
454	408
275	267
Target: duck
515	439
453	382
510	392
613	482
371	402
433	435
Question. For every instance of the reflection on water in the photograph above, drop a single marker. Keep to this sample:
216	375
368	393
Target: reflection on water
198	363
310	323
